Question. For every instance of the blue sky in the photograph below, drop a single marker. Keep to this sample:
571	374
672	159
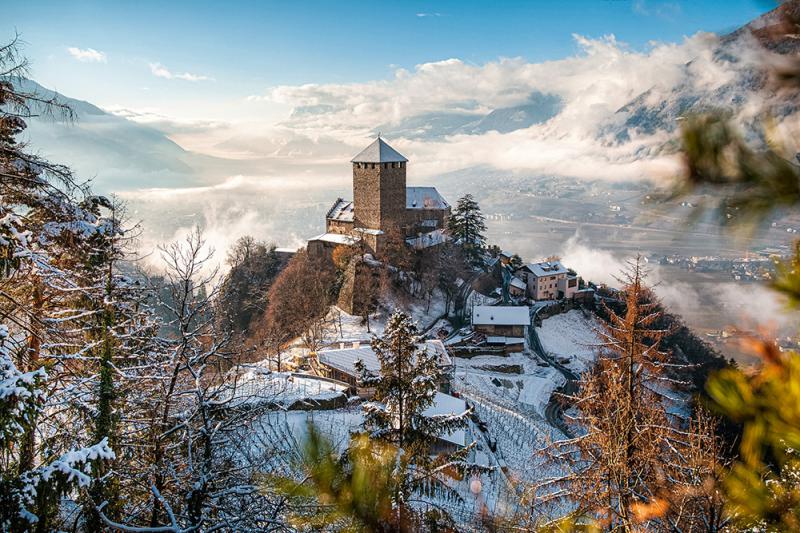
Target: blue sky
247	47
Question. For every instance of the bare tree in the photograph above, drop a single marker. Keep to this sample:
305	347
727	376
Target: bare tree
631	455
299	300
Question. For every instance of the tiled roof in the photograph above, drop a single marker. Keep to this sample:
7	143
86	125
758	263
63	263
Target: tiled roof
379	152
547	268
342	211
446	405
424	198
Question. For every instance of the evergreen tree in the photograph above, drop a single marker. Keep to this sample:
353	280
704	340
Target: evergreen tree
120	335
404	388
466	226
49	225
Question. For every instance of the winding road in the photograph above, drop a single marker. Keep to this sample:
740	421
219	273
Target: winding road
554	412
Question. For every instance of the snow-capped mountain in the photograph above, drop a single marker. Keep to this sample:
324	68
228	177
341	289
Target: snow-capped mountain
538	109
743	88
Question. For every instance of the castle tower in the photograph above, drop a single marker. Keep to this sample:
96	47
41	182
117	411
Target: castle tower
379	187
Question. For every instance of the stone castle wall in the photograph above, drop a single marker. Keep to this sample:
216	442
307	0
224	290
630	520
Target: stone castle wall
415	218
379	194
338	226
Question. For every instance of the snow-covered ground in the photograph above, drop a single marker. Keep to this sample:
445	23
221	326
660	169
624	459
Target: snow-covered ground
425	315
343	326
276	438
516	378
276	441
476	298
512	405
571	336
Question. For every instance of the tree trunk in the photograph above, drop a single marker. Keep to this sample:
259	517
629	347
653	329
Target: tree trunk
28	444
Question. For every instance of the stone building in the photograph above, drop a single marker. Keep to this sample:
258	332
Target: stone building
382	202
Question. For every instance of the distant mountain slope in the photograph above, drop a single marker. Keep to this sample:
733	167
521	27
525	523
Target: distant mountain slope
115	152
660	108
538	109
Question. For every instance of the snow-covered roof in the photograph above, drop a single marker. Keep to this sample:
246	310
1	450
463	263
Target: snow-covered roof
546	268
342	211
426	240
344	359
444	404
257	384
518	283
424	198
485	315
369	231
335	238
379	152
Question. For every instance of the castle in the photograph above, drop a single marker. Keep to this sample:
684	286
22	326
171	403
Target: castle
382	203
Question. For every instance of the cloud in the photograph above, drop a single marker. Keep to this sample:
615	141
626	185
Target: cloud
592	263
87	55
755	306
277	210
423	15
663	10
314	129
160	71
588	138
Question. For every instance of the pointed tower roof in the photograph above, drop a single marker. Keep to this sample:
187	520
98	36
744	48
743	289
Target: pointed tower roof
379	152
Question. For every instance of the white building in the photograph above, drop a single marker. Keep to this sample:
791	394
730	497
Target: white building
548	280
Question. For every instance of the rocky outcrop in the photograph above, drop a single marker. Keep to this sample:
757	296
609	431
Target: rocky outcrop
359	291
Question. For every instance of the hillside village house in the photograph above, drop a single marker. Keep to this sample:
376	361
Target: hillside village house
548	280
381	202
503	325
516	287
339	363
